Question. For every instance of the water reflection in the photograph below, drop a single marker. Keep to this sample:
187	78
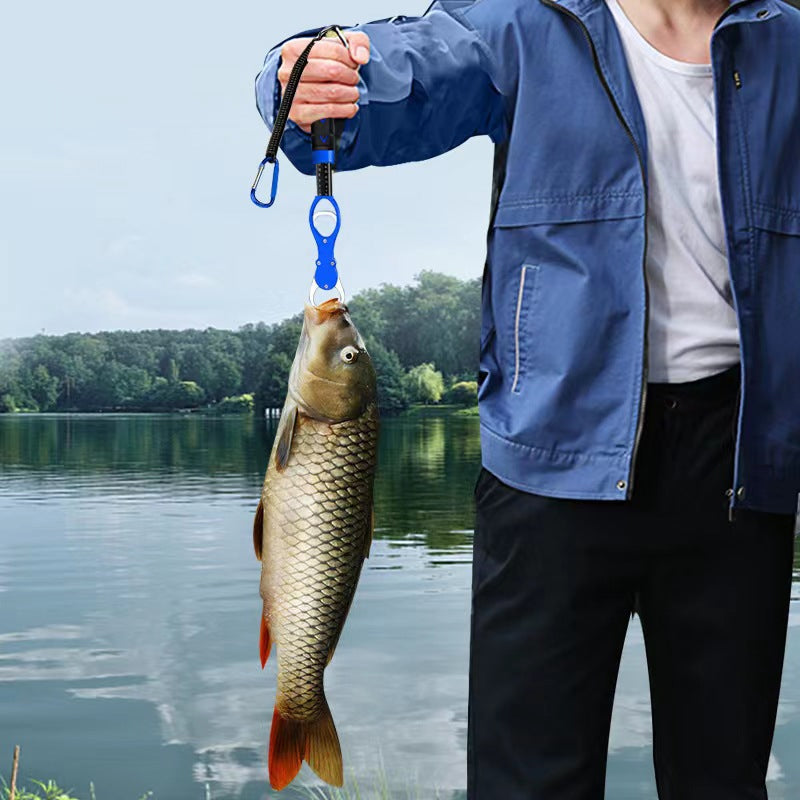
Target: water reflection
130	606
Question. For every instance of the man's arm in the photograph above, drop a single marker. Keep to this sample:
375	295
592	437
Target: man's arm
429	85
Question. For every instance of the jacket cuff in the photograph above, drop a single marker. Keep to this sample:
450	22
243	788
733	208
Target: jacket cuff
295	142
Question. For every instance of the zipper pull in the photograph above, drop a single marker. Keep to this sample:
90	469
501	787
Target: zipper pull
737	79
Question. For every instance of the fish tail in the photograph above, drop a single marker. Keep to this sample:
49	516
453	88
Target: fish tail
317	742
287	746
324	755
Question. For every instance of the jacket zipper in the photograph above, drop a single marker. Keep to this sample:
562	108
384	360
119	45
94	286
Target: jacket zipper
643	387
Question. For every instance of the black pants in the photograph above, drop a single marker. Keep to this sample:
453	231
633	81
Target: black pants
553	586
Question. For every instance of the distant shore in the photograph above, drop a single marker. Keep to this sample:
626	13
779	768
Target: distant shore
417	410
422	339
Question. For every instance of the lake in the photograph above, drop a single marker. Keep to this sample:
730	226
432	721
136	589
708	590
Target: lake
130	615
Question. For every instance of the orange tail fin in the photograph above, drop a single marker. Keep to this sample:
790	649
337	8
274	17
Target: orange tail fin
264	641
317	742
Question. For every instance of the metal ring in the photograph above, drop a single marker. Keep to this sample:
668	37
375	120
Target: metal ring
323	212
314	288
337	31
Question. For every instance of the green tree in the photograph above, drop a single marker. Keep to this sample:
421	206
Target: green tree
425	383
168	367
9	378
169	396
196	366
43	388
463	393
274	381
393	392
242	404
256	342
435	320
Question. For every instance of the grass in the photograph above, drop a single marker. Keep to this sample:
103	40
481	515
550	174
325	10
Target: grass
49	791
379	790
351	791
44	791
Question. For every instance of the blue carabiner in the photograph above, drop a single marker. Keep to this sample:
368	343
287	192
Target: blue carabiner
326	275
257	180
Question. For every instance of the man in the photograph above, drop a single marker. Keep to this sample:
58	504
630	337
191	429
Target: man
639	359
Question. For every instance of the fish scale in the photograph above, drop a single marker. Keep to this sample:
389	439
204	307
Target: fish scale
316	526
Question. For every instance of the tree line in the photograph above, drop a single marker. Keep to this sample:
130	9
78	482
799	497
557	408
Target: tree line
423	339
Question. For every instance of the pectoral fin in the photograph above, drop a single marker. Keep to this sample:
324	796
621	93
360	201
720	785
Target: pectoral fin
370	532
258	529
284	435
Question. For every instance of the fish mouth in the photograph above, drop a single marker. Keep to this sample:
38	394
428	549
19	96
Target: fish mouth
325	310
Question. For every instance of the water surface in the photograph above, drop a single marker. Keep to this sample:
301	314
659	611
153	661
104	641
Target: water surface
130	612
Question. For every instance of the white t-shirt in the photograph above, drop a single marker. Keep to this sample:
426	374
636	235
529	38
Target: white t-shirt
693	330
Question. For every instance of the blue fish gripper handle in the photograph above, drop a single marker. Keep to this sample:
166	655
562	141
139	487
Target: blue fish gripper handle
326	275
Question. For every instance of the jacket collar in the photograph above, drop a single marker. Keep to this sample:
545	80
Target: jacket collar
739	10
599	24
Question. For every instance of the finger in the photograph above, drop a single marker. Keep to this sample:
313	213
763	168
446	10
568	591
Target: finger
332	48
326	93
359	46
321	70
292	48
326	48
306	113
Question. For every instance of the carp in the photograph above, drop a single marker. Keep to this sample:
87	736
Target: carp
313	530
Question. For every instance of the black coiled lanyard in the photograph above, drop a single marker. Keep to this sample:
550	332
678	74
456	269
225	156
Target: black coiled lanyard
323	145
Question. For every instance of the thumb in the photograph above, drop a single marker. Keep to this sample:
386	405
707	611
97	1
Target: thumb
358	44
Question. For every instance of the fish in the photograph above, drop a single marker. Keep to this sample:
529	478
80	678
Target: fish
312	531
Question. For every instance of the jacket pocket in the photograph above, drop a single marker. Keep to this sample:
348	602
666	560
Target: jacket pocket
523	311
563	273
776	219
776	258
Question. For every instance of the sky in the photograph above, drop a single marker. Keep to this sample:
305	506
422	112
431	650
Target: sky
128	143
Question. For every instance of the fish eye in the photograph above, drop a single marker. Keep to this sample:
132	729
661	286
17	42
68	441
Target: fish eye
349	354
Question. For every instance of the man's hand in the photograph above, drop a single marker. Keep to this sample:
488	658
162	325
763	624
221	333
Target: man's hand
328	85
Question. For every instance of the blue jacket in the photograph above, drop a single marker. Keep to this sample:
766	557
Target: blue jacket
563	351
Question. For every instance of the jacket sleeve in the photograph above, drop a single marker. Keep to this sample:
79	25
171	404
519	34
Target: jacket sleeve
430	84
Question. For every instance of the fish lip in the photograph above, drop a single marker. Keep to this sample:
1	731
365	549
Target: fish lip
324	311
